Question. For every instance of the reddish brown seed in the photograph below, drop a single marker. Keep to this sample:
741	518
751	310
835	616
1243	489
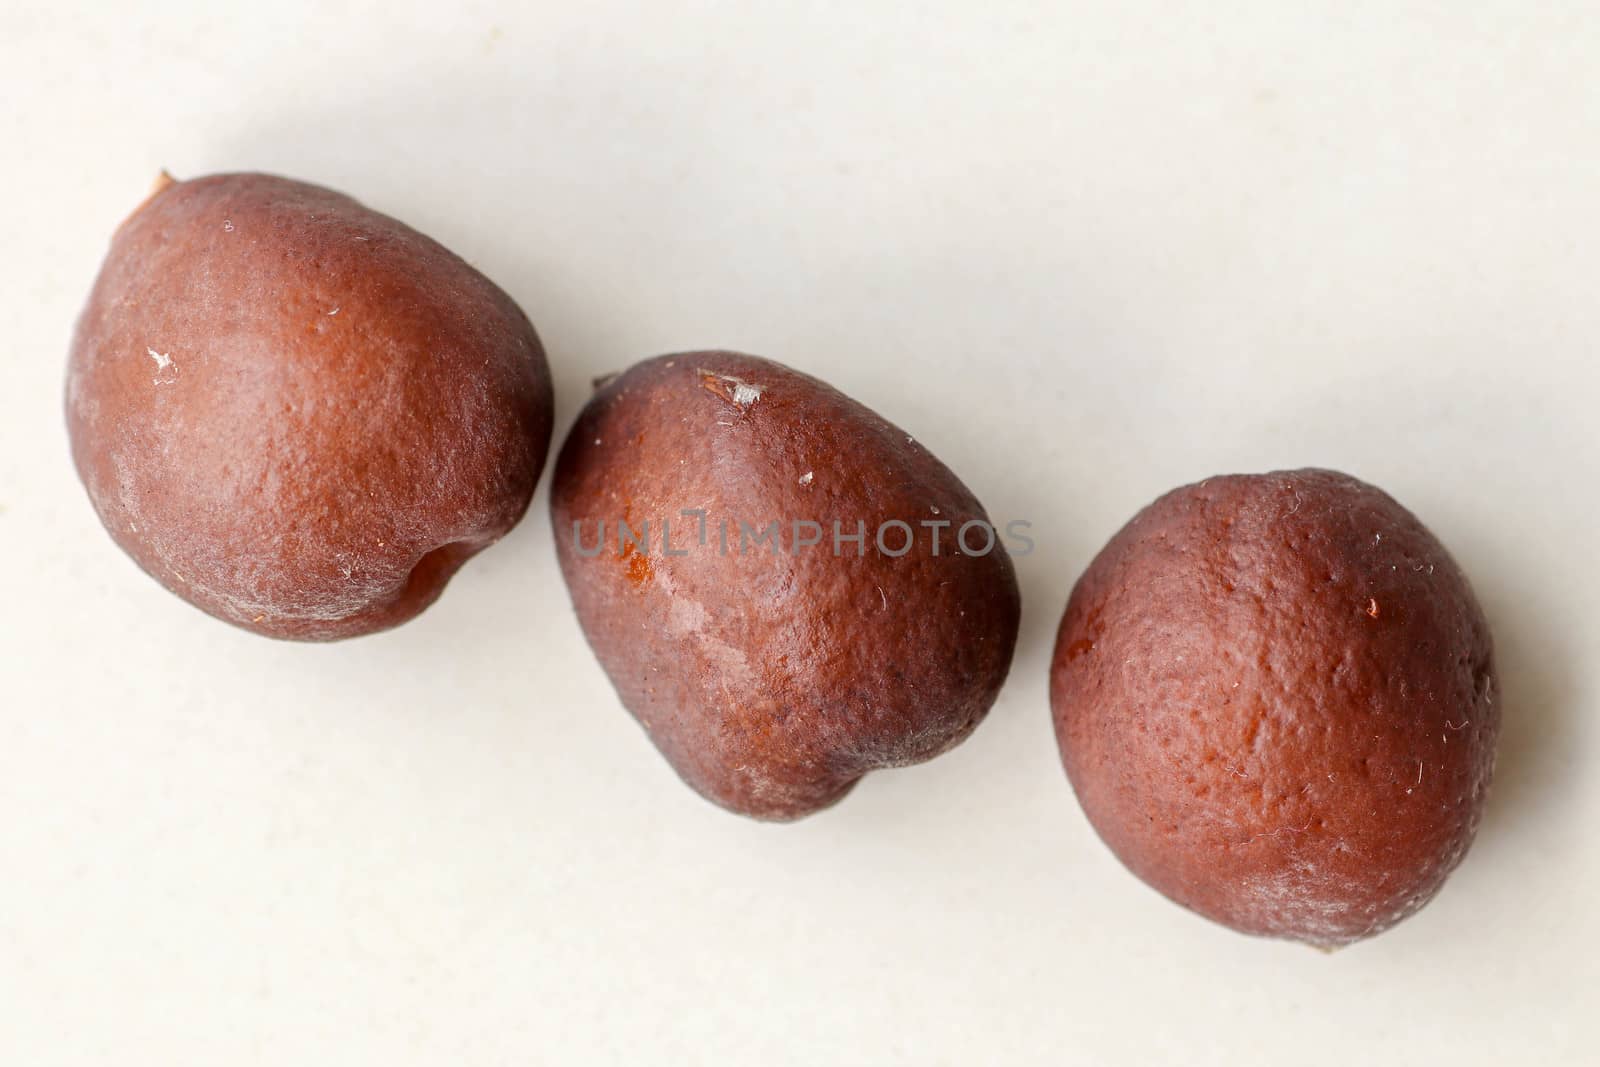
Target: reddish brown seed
773	680
1275	697
296	413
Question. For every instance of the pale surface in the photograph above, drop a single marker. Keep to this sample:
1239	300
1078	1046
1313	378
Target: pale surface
1085	257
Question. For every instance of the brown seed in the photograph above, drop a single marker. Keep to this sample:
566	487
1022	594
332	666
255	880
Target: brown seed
296	413
773	676
1275	697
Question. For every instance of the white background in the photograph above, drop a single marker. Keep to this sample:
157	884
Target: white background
1084	252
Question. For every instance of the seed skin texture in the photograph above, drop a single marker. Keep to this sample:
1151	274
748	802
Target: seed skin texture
1275	697
772	681
298	414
